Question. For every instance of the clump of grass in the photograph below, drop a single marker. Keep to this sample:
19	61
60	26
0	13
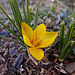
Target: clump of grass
66	44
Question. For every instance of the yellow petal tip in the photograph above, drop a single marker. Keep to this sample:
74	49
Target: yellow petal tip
38	54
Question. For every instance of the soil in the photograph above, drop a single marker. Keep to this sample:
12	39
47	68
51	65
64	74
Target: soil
15	60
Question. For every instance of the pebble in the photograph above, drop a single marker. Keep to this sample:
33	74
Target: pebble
18	61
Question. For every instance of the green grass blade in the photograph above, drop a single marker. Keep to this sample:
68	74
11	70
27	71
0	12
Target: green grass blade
73	35
70	35
13	41
70	17
53	9
13	25
13	34
24	11
70	50
28	14
65	49
9	29
9	39
9	19
36	18
16	12
4	44
67	35
61	38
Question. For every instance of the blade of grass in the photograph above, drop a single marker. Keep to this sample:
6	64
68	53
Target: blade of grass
15	13
14	22
70	35
70	50
44	11
10	20
4	44
28	14
36	18
13	33
24	11
17	10
12	40
70	17
65	49
11	26
9	29
61	38
67	35
53	9
9	39
73	35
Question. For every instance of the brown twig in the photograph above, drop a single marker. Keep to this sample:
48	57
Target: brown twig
30	57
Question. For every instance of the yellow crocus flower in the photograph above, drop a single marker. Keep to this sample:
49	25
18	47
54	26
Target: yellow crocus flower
37	39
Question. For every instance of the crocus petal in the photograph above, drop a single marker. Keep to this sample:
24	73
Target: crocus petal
50	35
26	30
39	32
27	41
47	40
38	54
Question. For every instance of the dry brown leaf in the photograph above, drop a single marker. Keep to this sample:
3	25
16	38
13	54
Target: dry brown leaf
60	68
70	67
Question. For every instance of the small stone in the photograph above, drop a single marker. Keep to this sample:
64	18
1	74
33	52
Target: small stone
18	61
11	52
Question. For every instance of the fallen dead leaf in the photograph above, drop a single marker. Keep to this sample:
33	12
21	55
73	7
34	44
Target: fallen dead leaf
60	68
70	67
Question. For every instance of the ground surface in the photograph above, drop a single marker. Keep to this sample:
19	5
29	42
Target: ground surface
14	60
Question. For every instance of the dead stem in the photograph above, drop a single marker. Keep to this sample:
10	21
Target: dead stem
30	57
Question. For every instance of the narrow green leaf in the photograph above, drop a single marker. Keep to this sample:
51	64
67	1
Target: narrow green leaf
16	12
61	38
28	14
11	26
9	39
53	9
10	20
44	11
8	29
65	49
36	18
14	22
73	35
24	11
13	34
67	35
13	41
4	44
70	35
70	50
70	17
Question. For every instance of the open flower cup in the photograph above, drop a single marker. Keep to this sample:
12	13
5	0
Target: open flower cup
37	39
